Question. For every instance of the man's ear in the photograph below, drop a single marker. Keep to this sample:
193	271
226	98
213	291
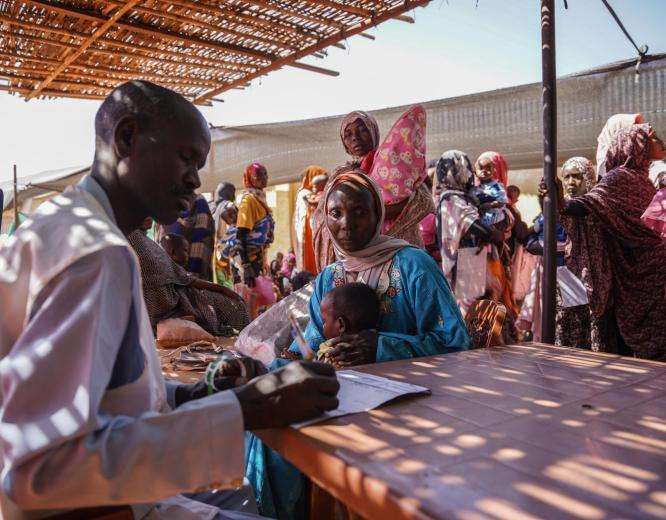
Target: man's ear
124	134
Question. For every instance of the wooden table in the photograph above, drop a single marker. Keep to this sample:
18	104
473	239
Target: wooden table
516	432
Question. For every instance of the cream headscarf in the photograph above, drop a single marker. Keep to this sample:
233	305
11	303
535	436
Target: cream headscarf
607	136
368	120
584	166
370	264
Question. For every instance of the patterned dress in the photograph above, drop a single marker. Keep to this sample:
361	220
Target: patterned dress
198	227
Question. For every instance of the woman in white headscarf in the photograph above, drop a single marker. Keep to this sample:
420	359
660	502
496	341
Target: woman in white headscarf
607	136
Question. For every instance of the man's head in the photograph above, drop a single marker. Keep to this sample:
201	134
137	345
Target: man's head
279	257
150	143
349	309
177	247
225	191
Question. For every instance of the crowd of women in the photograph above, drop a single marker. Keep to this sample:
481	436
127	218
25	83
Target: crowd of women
462	213
431	240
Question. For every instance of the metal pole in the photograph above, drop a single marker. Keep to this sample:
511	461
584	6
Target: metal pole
16	211
549	113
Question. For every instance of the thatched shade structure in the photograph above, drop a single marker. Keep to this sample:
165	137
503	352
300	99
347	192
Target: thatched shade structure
83	48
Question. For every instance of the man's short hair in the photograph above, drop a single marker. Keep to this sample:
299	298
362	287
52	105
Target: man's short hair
141	99
358	303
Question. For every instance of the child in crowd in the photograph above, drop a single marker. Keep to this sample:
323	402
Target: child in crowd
347	309
226	273
513	194
318	185
300	279
276	264
177	247
490	193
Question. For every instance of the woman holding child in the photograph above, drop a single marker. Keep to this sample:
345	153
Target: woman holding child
418	315
172	292
463	226
306	203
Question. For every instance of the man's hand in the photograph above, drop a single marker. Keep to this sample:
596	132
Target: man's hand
353	349
296	392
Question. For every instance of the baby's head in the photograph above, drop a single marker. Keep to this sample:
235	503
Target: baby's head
319	183
349	309
177	247
513	194
485	169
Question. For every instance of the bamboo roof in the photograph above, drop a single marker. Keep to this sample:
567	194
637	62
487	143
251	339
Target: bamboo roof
200	48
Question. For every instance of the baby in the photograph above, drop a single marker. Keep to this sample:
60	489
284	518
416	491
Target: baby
347	309
177	247
490	193
318	185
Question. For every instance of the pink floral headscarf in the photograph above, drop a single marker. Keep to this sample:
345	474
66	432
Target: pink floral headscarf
400	164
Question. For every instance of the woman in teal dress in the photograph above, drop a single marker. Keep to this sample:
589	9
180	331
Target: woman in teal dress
419	316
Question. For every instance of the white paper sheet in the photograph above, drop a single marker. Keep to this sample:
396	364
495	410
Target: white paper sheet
471	273
361	392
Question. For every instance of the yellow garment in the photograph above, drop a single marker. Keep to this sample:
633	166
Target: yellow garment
250	211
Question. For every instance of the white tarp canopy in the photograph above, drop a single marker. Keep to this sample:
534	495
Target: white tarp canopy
41	183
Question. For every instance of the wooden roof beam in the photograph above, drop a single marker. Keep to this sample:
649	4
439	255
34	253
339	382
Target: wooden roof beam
313	68
97	33
112	53
326	42
252	20
153	31
100	83
214	62
351	9
52	93
40	27
210	27
119	75
296	14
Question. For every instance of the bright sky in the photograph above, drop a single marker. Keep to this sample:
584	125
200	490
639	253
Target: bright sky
455	48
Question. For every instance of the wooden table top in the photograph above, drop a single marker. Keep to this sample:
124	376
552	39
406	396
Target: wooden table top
515	432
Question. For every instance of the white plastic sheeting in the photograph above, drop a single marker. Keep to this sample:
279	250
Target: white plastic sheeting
506	120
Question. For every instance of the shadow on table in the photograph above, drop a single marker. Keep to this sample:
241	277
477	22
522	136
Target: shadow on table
511	433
